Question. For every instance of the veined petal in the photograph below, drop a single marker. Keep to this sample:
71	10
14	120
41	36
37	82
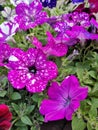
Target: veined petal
79	93
52	110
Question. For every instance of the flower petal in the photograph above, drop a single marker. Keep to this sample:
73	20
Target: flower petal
52	110
36	84
17	78
79	93
70	84
47	70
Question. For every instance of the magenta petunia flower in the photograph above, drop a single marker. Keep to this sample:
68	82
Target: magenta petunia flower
29	16
63	100
7	30
31	69
5	52
54	46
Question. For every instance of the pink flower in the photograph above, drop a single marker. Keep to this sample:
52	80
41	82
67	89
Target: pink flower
31	69
55	46
5	117
29	16
63	100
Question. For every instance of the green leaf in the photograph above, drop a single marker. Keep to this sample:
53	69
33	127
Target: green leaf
19	123
92	74
15	96
78	124
3	93
94	106
26	120
16	108
29	109
22	128
35	97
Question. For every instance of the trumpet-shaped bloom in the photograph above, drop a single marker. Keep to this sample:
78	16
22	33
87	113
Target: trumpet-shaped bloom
31	69
49	3
63	100
55	46
5	117
29	16
7	30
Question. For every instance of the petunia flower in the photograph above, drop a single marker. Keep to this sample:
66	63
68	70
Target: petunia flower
63	100
77	1
8	13
49	3
5	117
5	52
7	30
54	46
29	16
31	69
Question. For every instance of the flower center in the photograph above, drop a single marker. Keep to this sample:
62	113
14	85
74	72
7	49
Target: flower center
67	101
5	61
32	69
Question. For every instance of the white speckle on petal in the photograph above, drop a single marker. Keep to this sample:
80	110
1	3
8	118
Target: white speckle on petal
5	29
29	76
33	81
1	35
13	58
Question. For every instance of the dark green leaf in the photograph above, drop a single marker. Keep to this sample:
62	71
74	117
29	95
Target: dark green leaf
15	96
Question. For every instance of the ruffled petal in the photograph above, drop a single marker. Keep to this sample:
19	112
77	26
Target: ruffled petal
52	110
70	84
79	93
17	59
17	78
36	84
47	70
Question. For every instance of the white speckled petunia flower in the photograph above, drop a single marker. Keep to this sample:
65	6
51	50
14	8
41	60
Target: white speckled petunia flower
31	69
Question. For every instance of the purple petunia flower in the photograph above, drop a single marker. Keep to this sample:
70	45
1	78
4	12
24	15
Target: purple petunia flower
49	3
55	46
7	30
63	100
31	69
5	52
77	1
29	16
